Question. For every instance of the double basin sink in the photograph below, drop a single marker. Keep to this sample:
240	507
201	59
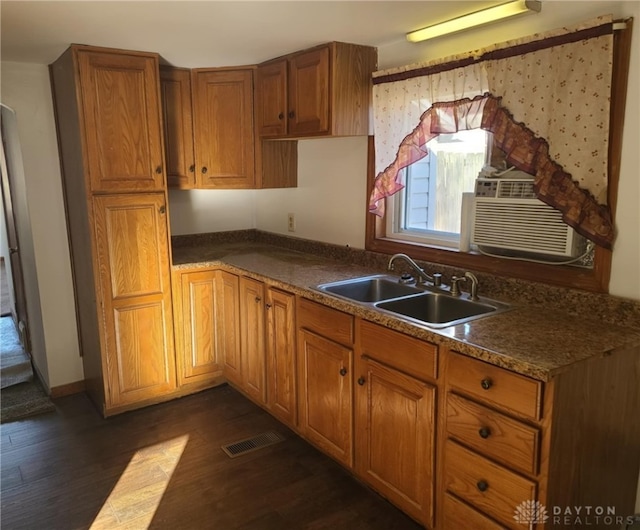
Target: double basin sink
429	306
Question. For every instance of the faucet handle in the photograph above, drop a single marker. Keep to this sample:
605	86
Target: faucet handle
455	288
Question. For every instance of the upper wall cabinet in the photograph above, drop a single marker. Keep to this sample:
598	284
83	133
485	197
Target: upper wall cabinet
223	127
122	122
324	91
175	89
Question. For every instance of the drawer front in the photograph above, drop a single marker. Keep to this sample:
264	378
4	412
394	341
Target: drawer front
458	515
493	434
407	354
488	487
326	321
495	385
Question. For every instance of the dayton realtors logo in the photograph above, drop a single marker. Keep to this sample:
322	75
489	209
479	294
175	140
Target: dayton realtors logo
533	512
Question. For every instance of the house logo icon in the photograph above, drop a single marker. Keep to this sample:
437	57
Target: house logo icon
530	512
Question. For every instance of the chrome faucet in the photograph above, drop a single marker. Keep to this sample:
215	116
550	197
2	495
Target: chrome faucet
473	291
436	279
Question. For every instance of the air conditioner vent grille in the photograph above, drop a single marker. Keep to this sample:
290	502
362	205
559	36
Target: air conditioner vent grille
526	225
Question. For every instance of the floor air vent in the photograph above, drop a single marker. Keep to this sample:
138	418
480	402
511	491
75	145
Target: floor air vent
252	444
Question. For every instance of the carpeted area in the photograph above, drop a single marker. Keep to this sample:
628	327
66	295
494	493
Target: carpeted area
23	400
21	394
15	365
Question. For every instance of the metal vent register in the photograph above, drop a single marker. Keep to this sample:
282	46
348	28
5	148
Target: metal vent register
254	443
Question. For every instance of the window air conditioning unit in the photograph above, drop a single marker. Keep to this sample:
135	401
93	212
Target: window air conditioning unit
507	215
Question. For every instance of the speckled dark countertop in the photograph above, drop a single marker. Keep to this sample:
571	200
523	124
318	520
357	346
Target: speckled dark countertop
530	340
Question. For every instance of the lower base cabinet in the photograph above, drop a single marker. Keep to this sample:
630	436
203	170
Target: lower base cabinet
395	419
260	343
281	356
325	379
206	324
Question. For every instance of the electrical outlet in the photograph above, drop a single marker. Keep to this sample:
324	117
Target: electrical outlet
291	222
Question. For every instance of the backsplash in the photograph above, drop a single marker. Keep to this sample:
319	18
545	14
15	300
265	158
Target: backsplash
602	307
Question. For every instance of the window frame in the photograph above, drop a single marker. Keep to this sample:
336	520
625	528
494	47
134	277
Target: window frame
595	279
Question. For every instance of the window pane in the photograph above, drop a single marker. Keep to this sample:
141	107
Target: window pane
433	195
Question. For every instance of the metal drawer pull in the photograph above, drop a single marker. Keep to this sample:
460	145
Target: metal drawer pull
483	485
484	432
361	381
343	371
486	383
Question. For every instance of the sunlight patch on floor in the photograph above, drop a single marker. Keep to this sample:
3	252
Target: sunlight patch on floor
137	494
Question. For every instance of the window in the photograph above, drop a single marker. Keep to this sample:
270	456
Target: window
428	209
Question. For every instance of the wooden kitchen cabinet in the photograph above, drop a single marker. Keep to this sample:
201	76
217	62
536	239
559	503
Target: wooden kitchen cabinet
508	438
323	91
175	90
135	291
223	127
325	379
396	418
252	339
228	321
281	356
120	112
107	105
202	327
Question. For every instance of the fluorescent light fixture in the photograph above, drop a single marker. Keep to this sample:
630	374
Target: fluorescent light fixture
476	18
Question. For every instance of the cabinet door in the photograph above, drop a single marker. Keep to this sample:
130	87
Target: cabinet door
135	293
252	342
228	319
199	358
223	128
281	355
175	91
395	427
309	92
326	395
271	98
122	124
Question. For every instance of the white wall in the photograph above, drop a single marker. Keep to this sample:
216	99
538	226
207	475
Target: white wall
26	89
202	211
329	203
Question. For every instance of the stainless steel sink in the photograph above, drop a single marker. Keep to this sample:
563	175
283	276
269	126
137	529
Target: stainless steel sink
369	289
425	305
440	309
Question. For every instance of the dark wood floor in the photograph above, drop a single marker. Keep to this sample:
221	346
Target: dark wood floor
162	467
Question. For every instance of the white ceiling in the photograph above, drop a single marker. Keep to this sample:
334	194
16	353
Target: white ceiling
212	33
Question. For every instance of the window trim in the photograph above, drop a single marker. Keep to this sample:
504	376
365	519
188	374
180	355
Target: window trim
595	279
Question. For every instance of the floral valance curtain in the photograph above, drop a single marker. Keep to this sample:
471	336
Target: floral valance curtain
546	100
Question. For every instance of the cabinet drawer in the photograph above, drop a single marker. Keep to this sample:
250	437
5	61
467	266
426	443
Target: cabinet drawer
485	485
495	385
325	321
493	434
407	354
457	514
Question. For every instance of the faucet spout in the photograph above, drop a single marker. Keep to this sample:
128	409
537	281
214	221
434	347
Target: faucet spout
422	276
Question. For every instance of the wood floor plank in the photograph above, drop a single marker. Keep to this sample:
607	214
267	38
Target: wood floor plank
163	468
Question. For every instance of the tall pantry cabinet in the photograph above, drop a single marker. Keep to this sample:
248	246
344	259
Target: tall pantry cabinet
109	126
